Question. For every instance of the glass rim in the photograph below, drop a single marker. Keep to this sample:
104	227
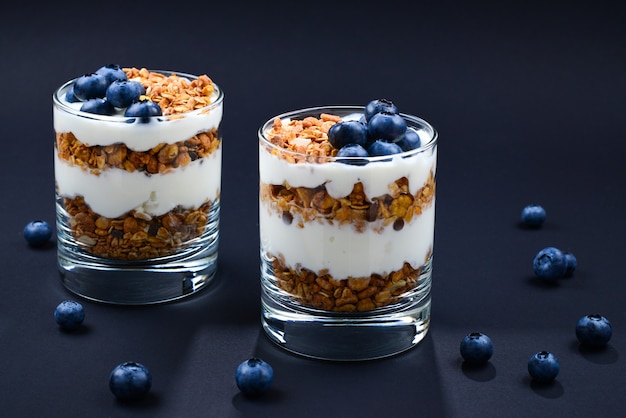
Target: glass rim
57	101
346	109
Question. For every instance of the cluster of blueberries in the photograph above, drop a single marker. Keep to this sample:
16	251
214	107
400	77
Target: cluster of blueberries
381	130
108	89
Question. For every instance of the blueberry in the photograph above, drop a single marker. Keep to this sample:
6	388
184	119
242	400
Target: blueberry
571	264
543	367
122	93
347	132
387	126
98	107
379	105
112	72
143	109
351	151
593	330
69	315
476	348
254	377
410	140
90	86
37	233
549	263
380	147
533	215
130	381
70	96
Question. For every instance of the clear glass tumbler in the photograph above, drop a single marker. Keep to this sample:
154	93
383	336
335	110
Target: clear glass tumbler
138	198
346	244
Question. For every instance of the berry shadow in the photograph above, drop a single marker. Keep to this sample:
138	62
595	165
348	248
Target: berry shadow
542	283
81	330
598	355
479	372
550	390
248	404
150	401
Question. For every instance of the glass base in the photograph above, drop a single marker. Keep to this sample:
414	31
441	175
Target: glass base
138	283
349	337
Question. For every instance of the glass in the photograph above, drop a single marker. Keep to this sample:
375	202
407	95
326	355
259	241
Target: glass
137	200
346	245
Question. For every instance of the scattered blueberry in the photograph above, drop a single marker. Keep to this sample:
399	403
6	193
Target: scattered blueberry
254	377
380	147
98	106
377	106
533	215
571	263
70	97
130	381
122	93
476	348
352	150
69	315
543	367
112	72
143	109
549	263
387	126
90	86
37	233
594	330
410	140
347	132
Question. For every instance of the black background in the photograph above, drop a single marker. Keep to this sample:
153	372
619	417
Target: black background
529	99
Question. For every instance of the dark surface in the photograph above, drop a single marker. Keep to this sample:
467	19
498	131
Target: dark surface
530	104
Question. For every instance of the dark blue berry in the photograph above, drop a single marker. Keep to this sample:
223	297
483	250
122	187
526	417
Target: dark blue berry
377	106
122	93
593	330
98	106
70	96
90	86
380	147
386	126
410	140
347	132
353	154
69	315
476	348
533	215
112	72
549	263
254	377
571	263
130	381
37	233
543	367
143	109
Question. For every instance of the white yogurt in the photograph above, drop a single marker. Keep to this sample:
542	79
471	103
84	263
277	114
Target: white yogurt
115	192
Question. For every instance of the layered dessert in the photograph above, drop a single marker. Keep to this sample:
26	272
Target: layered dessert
346	225
137	174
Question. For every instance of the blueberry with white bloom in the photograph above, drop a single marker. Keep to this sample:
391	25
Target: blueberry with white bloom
386	126
130	381
98	106
122	93
254	377
571	263
69	315
410	140
476	348
549	263
143	109
380	147
594	330
347	132
533	215
112	72
37	233
353	154
377	106
70	96
90	86
543	367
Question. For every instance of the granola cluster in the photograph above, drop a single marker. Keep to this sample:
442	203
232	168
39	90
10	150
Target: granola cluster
306	140
136	235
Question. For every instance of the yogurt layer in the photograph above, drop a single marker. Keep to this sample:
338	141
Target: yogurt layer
115	192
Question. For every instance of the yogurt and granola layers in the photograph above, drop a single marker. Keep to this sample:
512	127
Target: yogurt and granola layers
344	237
135	189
